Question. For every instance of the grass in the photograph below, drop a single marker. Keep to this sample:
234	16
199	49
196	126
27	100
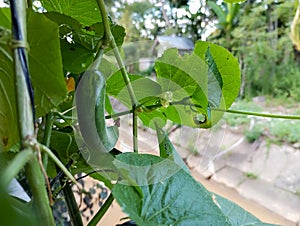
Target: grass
280	101
285	131
276	130
251	176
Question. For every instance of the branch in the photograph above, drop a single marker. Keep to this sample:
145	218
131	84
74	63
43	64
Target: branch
25	111
109	39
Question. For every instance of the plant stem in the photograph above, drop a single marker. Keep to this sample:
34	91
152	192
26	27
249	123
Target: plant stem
119	114
257	114
98	216
47	136
40	199
98	58
71	203
25	112
111	41
58	163
135	131
296	117
24	109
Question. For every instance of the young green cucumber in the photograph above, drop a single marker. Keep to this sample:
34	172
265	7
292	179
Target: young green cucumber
90	105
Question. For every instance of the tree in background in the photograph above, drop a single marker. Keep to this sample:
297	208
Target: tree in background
295	33
149	18
260	38
227	19
257	32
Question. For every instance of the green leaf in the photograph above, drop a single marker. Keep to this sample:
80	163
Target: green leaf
185	77
145	91
153	117
15	212
64	21
5	18
158	192
181	75
143	87
167	149
90	106
206	79
118	32
224	76
85	11
5	159
75	57
65	148
9	133
79	53
237	215
45	69
45	63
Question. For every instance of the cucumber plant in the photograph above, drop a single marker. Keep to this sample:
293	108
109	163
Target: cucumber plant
74	41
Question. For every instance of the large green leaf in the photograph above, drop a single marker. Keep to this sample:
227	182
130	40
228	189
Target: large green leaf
45	63
85	11
8	114
5	18
224	76
79	42
206	79
15	212
185	77
76	58
45	69
237	215
155	191
182	75
224	73
77	54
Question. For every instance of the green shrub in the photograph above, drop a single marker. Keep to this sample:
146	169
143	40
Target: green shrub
284	131
254	134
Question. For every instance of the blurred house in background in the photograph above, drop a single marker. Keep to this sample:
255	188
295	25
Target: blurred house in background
161	44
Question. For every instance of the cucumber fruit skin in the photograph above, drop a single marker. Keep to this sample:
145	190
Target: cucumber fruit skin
90	106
